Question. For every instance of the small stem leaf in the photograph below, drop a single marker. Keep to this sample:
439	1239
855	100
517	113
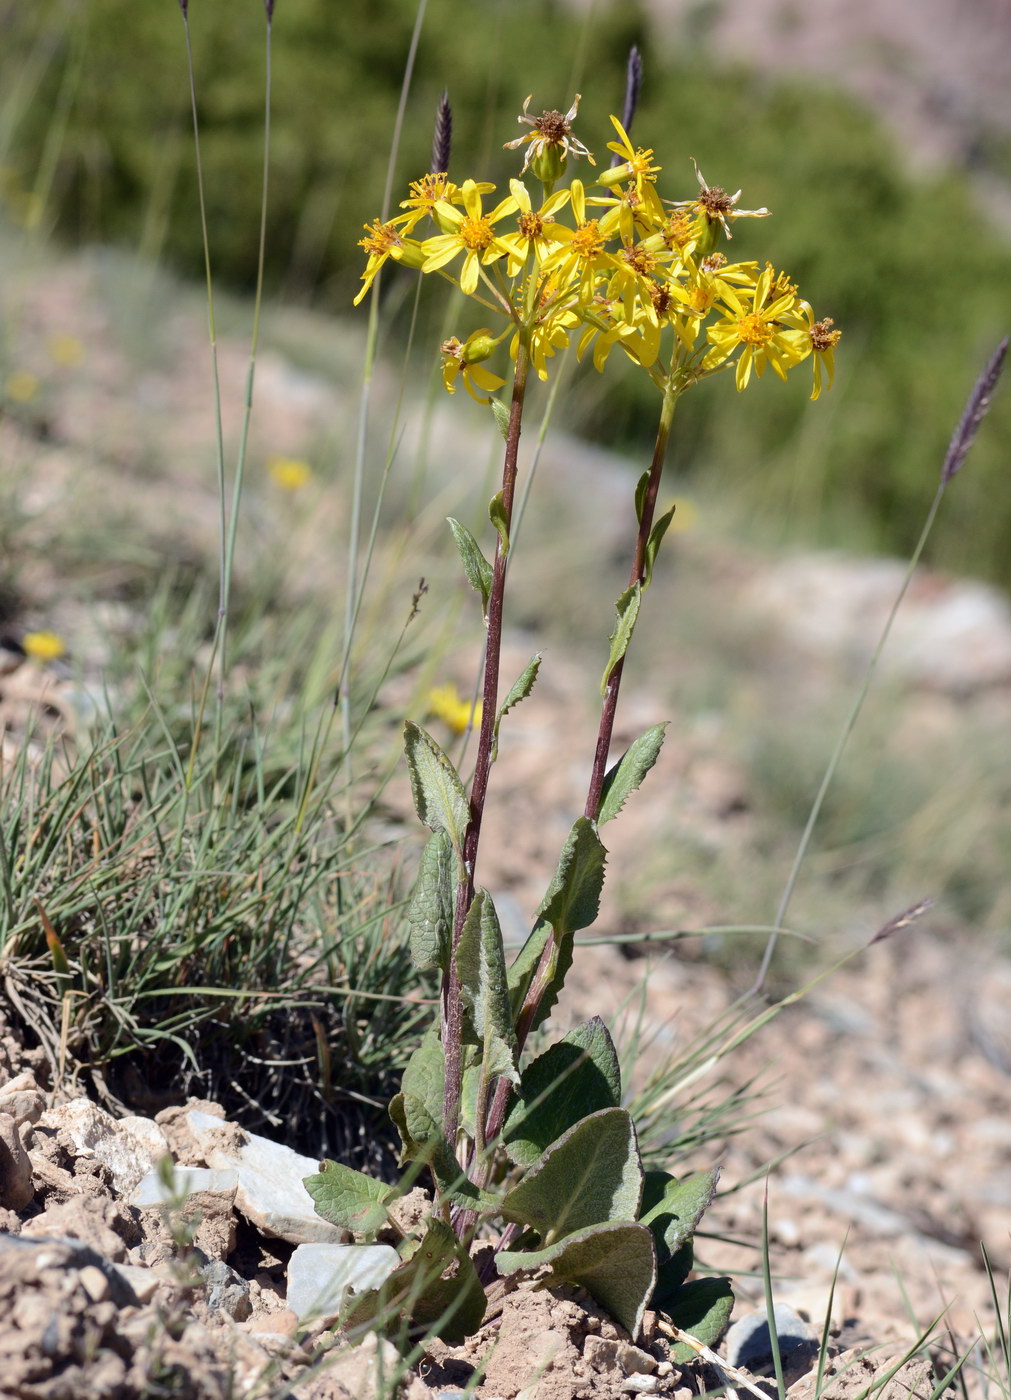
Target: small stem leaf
627	608
430	912
501	412
439	797
570	903
480	963
675	1216
671	1275
425	1073
653	544
520	690
591	1174
349	1198
641	487
629	771
701	1308
416	1293
497	515
475	565
615	1263
578	1075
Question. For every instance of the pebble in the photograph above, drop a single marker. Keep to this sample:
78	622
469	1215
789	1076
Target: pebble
318	1275
749	1344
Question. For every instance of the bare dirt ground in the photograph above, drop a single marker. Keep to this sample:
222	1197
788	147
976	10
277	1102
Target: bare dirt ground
887	1086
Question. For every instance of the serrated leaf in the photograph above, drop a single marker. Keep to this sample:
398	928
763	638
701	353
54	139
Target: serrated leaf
653	544
701	1308
589	1175
578	1075
519	691
430	912
475	565
480	963
675	1216
615	1263
348	1198
418	1297
438	793
497	515
501	412
626	775
627	608
671	1275
641	487
570	903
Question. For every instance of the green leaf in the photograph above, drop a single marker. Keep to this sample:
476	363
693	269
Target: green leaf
627	608
629	771
475	565
439	797
702	1309
578	1075
480	963
653	544
520	690
430	912
671	1275
497	515
674	1217
570	903
425	1075
419	1298
501	412
641	486
613	1262
423	1141
349	1198
589	1175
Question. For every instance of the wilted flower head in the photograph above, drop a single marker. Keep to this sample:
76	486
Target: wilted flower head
550	143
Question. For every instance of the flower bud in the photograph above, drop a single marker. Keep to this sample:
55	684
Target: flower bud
548	165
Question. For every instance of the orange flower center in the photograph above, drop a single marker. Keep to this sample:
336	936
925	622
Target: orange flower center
752	330
531	226
476	234
587	241
379	238
823	337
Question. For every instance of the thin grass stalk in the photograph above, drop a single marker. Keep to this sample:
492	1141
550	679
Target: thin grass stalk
962	439
240	464
770	1306
353	585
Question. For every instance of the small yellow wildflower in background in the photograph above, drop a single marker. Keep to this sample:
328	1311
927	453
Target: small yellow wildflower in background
444	702
686	515
290	473
65	350
21	386
44	646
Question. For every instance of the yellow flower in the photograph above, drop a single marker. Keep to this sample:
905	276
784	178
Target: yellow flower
21	386
537	227
290	473
43	646
429	191
550	143
817	339
472	234
66	350
384	241
716	208
463	358
637	165
765	337
444	702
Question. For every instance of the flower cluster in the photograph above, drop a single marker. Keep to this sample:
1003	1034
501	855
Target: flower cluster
605	265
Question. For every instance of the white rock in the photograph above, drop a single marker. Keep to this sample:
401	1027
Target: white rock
270	1191
129	1148
152	1191
319	1274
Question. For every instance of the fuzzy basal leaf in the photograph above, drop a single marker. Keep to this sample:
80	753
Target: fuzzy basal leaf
590	1175
576	1076
701	1308
348	1198
439	797
674	1217
615	1263
430	912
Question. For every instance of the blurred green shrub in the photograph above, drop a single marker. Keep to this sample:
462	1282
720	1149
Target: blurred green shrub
97	95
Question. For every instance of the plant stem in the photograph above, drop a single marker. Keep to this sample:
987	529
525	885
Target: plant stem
452	1009
545	968
637	575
